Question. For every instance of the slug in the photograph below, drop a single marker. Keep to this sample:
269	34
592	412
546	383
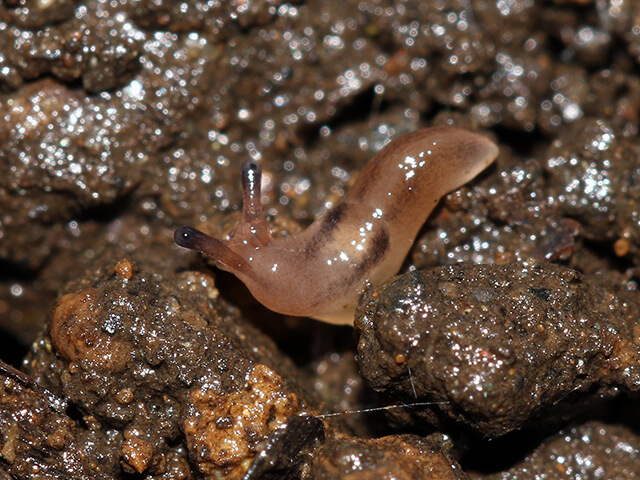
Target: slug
322	271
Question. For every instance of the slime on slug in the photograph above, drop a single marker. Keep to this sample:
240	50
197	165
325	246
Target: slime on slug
321	271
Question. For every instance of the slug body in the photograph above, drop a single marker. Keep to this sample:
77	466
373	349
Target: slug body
363	241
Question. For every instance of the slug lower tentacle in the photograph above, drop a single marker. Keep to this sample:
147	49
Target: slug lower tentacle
363	241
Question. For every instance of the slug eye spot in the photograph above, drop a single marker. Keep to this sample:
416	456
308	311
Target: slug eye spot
250	168
251	176
188	237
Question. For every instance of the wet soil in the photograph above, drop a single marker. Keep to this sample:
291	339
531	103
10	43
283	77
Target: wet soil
493	346
501	350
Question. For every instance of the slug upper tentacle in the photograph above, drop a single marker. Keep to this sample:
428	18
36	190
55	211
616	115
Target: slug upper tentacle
322	271
251	207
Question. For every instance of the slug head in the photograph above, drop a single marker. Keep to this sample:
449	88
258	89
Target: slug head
251	235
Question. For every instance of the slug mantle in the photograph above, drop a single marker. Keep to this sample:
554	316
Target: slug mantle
322	271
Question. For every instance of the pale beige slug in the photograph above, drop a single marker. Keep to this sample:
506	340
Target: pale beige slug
321	271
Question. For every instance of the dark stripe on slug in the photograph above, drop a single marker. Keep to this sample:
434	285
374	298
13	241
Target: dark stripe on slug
374	254
325	232
378	249
334	215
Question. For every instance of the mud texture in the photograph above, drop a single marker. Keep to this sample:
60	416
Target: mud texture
493	345
591	450
158	359
39	440
404	457
122	120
